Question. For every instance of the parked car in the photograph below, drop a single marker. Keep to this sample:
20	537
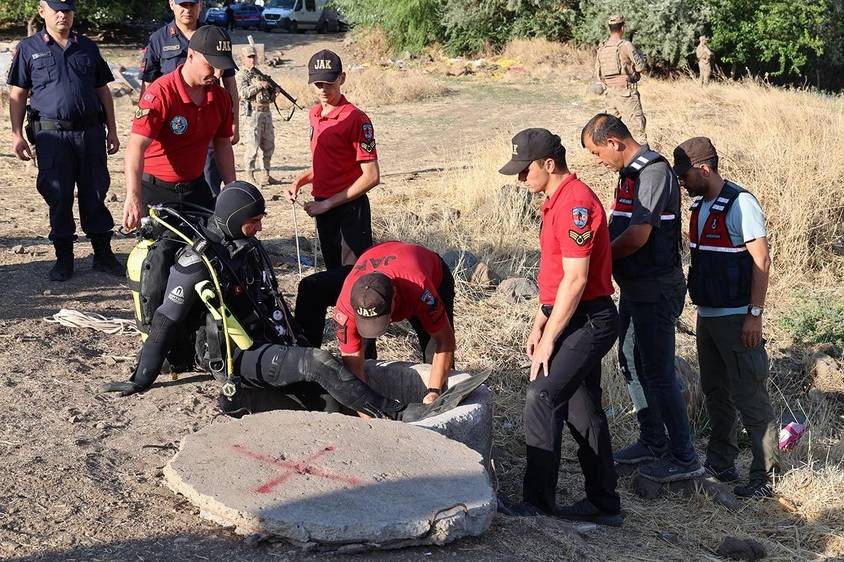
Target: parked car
300	15
245	15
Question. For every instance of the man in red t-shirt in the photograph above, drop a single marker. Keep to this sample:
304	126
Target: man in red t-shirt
344	167
396	281
574	328
177	117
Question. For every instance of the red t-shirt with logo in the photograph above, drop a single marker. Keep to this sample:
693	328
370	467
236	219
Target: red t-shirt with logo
340	141
180	129
416	273
574	225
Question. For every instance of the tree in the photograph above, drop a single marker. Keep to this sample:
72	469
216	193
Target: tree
666	31
775	36
96	12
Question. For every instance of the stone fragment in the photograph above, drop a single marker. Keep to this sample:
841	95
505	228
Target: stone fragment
469	423
826	373
485	277
327	480
18	249
741	549
460	262
516	289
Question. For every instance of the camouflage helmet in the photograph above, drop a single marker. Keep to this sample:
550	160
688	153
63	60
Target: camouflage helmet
615	20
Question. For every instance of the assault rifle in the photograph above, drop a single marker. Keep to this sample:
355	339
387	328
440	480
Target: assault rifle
279	90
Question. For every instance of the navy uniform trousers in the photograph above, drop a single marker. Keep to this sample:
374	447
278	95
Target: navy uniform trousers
74	158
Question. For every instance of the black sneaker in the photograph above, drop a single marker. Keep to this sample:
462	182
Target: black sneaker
584	510
754	489
638	453
727	475
521	509
669	469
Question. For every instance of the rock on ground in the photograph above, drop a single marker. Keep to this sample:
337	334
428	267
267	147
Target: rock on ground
330	481
741	549
517	289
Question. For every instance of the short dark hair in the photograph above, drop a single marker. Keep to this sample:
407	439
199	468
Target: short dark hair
558	157
603	126
615	27
712	163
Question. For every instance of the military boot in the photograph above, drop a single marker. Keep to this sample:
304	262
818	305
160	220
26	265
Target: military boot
268	179
63	269
104	259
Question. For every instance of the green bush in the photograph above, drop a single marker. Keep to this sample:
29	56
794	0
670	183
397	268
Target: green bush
473	25
409	24
776	36
814	320
666	32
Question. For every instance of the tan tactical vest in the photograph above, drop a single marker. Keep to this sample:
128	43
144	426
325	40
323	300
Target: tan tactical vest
609	59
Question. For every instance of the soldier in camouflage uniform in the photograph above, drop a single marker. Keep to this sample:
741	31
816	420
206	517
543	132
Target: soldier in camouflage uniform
256	98
704	58
618	66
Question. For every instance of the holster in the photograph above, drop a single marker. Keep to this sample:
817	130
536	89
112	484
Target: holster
33	124
249	109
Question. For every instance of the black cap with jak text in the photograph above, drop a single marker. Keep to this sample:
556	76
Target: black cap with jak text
215	45
324	66
530	145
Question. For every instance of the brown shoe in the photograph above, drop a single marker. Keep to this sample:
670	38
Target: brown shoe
269	179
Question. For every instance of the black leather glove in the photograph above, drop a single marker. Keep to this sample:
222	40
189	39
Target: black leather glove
122	388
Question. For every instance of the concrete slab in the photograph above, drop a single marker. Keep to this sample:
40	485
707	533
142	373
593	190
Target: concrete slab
334	482
470	423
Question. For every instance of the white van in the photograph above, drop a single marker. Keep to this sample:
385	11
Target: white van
299	15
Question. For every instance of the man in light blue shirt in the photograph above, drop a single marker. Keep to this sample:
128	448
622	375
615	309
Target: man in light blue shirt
728	280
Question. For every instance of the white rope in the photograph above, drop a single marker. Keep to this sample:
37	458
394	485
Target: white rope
296	234
76	319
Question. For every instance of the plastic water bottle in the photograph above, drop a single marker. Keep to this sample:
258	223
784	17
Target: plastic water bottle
791	434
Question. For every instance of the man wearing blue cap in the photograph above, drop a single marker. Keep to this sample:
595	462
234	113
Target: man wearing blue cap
67	80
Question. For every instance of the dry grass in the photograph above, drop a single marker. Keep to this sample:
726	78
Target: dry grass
782	145
370	87
541	52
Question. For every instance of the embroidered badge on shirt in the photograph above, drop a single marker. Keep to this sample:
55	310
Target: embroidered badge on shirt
428	298
171	48
149	97
141	112
367	131
580	216
368	146
580	238
179	125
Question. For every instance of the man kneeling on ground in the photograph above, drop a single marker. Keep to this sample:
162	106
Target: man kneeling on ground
396	281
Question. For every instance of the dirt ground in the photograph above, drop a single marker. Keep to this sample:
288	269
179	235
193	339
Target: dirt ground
82	471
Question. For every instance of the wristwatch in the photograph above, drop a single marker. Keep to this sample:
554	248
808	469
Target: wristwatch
755	311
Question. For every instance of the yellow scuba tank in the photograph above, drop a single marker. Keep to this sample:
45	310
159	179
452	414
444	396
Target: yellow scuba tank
134	271
234	330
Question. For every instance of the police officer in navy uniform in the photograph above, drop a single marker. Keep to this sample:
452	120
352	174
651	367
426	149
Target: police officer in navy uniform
67	79
167	49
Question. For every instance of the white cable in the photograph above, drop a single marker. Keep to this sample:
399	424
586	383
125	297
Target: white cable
76	319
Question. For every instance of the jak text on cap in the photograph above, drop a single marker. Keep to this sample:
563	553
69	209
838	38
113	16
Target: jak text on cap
215	45
372	301
324	66
530	145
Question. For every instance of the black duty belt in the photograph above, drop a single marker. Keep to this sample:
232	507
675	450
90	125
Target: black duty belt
583	306
74	125
178	187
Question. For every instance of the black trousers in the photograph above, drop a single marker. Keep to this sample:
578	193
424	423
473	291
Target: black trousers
289	370
571	393
320	290
345	232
